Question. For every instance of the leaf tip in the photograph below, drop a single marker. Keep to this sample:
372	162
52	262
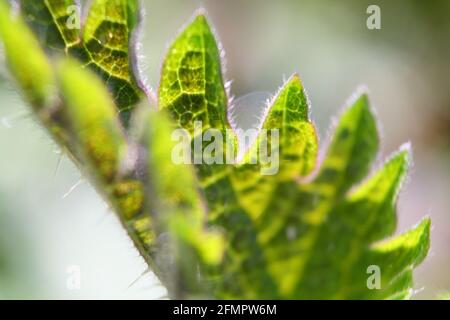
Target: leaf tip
406	149
294	79
359	103
424	231
359	98
403	155
200	17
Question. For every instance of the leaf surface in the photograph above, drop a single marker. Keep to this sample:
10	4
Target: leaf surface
100	140
217	230
191	85
32	71
290	238
106	42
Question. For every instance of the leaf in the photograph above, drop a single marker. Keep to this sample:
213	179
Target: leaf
176	202
289	113
352	149
107	42
296	150
93	120
32	71
191	90
307	240
83	121
49	19
221	230
397	256
110	43
100	140
325	234
191	85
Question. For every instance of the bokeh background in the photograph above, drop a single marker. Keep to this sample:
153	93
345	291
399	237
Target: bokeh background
46	231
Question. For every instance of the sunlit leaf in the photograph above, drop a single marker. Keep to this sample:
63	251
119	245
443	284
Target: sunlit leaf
176	200
296	148
32	70
106	42
54	22
111	47
309	229
291	239
100	140
191	84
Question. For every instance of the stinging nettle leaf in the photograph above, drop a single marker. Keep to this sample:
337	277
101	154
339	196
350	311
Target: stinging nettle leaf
108	39
375	199
176	203
288	113
396	259
308	239
32	71
217	230
106	42
192	89
51	21
100	140
331	233
191	85
93	120
353	147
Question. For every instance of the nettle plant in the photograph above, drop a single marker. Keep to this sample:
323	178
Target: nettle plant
213	230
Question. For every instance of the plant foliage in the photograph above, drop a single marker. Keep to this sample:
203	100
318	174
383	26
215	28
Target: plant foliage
214	230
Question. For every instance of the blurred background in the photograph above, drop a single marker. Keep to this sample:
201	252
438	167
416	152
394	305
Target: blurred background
61	242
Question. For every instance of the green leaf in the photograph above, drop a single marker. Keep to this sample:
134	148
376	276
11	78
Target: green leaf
328	232
93	120
291	239
395	257
373	203
303	232
107	43
32	71
192	89
176	202
191	85
296	149
100	140
49	19
352	149
84	122
289	113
